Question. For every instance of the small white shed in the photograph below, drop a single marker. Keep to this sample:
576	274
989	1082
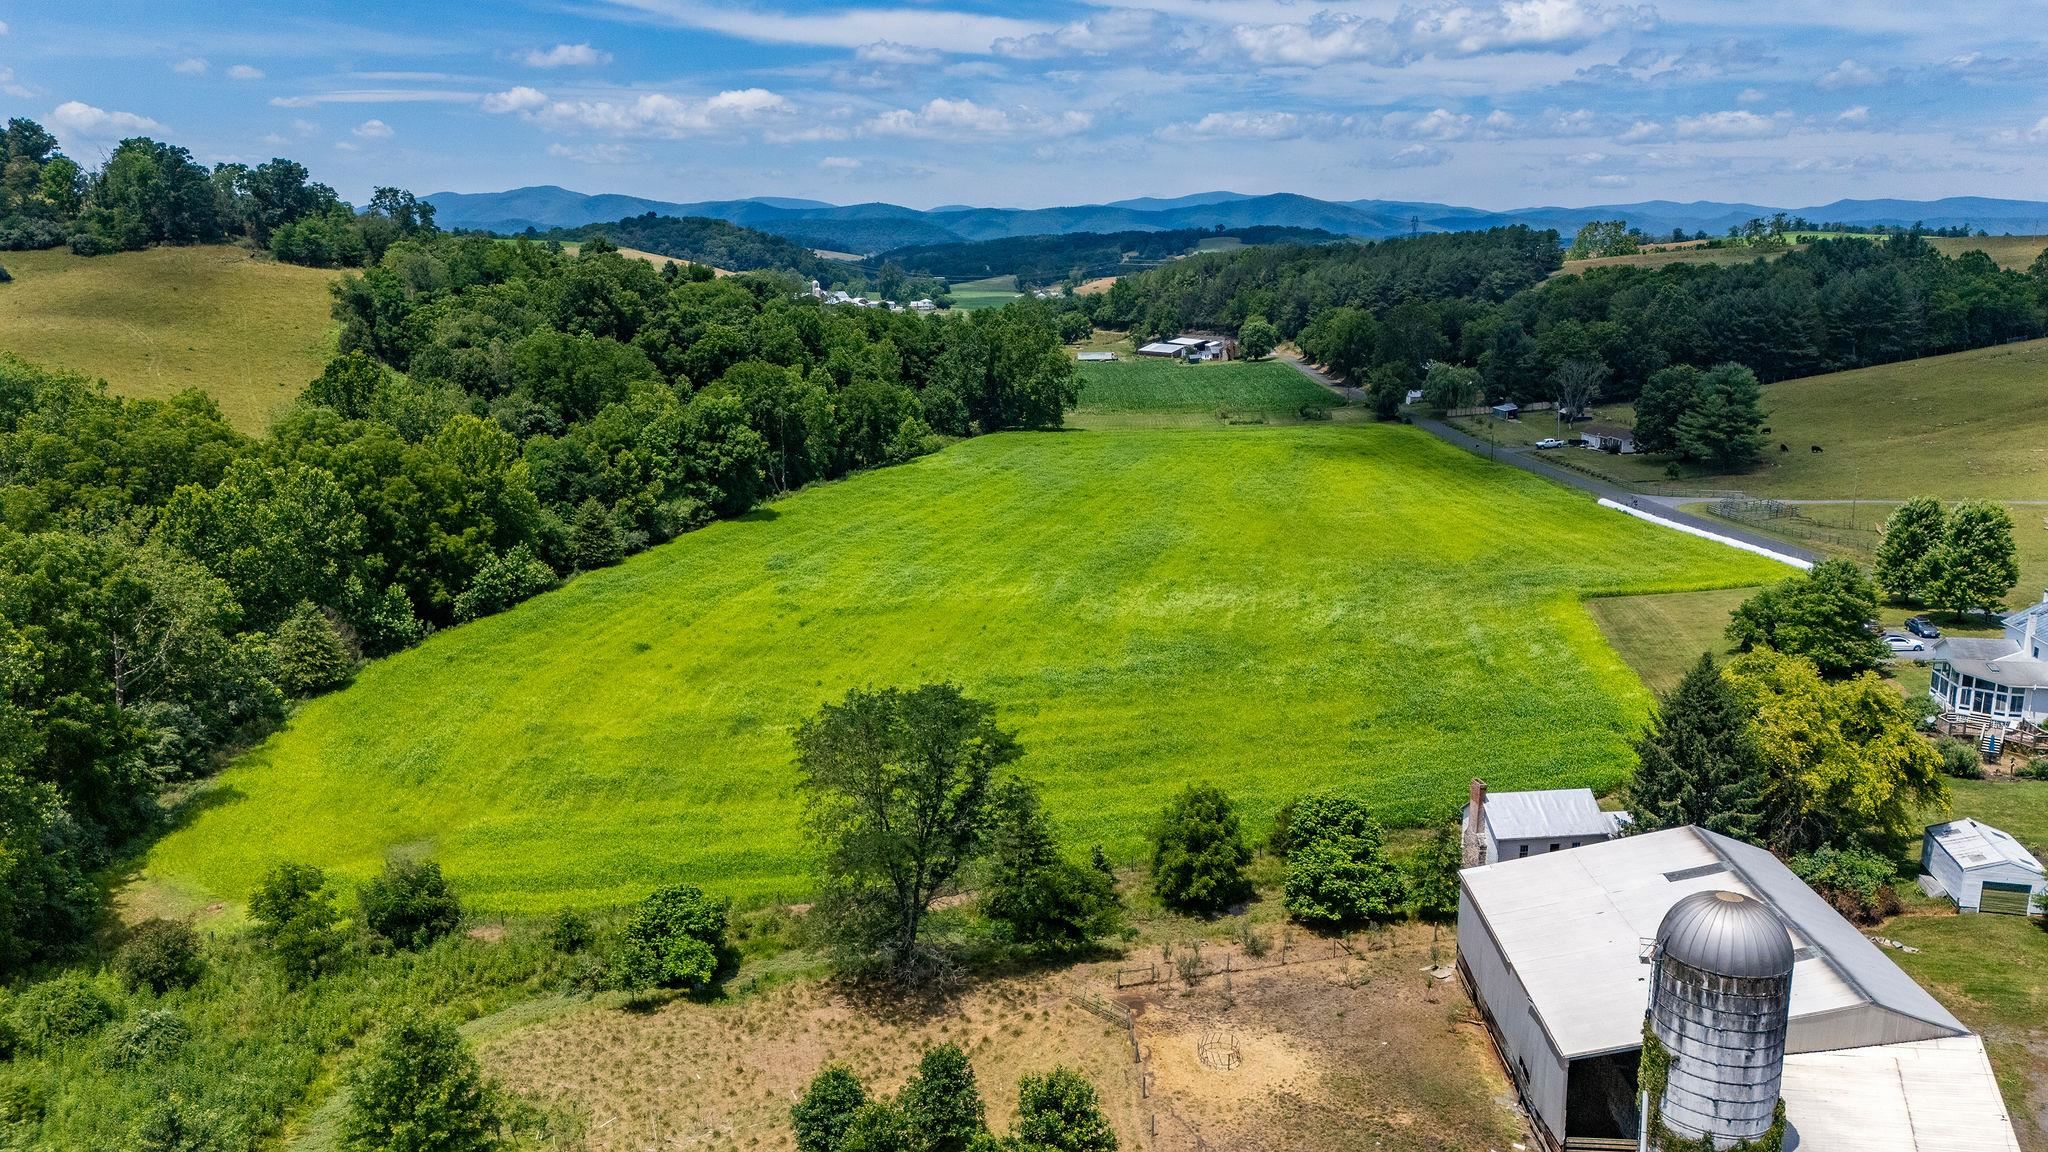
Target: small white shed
1981	868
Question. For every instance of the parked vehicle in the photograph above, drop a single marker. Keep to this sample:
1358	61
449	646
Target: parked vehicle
1550	442
1900	642
1920	626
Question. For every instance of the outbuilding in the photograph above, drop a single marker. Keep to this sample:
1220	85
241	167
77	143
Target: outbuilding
1508	411
1516	825
1981	868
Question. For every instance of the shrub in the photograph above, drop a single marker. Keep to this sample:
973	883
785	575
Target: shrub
1199	854
1856	881
1337	873
160	955
66	1008
410	905
826	1108
877	1126
419	1090
91	244
2034	769
1059	1112
569	932
675	940
149	1036
942	1104
503	581
595	538
6	277
1959	758
1433	876
294	915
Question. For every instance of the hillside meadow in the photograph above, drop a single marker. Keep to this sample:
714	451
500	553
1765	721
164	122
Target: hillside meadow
1151	385
1273	609
250	332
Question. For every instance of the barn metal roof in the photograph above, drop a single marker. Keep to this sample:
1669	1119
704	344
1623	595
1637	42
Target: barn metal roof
1924	1096
1574	926
1556	812
1976	845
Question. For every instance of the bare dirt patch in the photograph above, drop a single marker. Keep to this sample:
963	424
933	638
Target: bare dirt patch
1094	287
1334	1050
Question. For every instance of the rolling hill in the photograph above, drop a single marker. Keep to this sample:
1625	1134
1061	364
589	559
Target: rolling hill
877	227
1145	606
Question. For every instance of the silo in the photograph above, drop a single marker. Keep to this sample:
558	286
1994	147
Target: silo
1722	994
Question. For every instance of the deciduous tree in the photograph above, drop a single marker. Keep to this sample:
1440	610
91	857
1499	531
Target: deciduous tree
1199	854
418	1089
1905	562
1977	563
1820	615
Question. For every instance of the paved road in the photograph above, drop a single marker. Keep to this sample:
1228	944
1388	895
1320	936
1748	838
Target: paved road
1529	461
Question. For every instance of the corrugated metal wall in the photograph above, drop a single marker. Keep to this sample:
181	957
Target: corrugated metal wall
1543	1074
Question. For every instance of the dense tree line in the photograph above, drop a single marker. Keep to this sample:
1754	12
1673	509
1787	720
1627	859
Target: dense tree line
148	192
1044	260
500	415
700	240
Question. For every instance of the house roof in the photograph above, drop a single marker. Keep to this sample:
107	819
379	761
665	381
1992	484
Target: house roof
1977	845
1556	812
1619	431
1573	926
1925	1096
1161	348
1998	661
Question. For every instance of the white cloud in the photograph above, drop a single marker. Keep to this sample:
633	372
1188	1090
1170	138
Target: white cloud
375	96
1611	180
1117	30
809	134
3	27
1239	126
1440	124
1860	114
602	152
654	114
245	72
81	119
1444	31
1848	74
964	119
190	66
890	52
1750	96
1585	158
839	163
842	26
566	56
373	130
520	99
1728	126
1641	130
12	86
1416	156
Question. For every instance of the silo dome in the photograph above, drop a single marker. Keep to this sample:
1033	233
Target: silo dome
1727	934
1719	1008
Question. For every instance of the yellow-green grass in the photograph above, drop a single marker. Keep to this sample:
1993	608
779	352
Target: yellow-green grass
1660	636
1272	609
2015	252
1657	257
1967	425
992	292
250	332
1152	384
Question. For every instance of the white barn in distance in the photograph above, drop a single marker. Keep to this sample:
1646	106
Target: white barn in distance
1514	825
1980	868
1559	952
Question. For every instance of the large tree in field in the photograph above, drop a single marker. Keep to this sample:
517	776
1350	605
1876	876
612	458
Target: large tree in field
1977	562
1847	766
1721	425
1818	615
1905	556
897	785
1699	763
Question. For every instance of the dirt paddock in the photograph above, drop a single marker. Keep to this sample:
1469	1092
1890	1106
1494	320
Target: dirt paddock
1358	1048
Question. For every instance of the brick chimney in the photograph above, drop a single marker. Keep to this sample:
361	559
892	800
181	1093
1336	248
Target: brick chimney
1475	824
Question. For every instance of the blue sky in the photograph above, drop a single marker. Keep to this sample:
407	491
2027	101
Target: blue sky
925	102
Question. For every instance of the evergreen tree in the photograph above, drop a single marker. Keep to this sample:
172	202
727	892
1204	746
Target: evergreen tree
1433	876
595	537
1699	762
1977	563
1720	428
1667	396
419	1090
1905	556
1199	854
942	1104
1041	898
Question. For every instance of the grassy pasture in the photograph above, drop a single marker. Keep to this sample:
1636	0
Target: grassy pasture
2016	252
1661	636
1688	254
249	332
990	292
1273	609
1962	426
1153	385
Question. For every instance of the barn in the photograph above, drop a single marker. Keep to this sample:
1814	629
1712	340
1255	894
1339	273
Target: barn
1980	868
1557	951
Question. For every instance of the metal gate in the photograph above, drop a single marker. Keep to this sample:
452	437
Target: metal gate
2009	899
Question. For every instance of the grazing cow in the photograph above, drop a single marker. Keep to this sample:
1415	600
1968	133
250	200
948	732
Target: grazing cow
1784	447
1816	447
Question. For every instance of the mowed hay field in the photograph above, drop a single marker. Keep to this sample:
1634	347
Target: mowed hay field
993	292
1272	609
2015	252
248	332
1157	385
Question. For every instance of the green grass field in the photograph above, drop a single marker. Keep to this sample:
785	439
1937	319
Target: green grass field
2015	252
1132	385
1658	257
1967	425
250	332
992	292
1269	608
1660	636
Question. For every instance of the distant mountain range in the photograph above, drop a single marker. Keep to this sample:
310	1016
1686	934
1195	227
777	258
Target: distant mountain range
863	229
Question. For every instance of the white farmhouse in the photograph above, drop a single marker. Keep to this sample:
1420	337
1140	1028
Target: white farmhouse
2003	681
1516	825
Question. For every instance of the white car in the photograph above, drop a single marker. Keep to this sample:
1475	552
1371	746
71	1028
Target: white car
1900	642
1550	442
